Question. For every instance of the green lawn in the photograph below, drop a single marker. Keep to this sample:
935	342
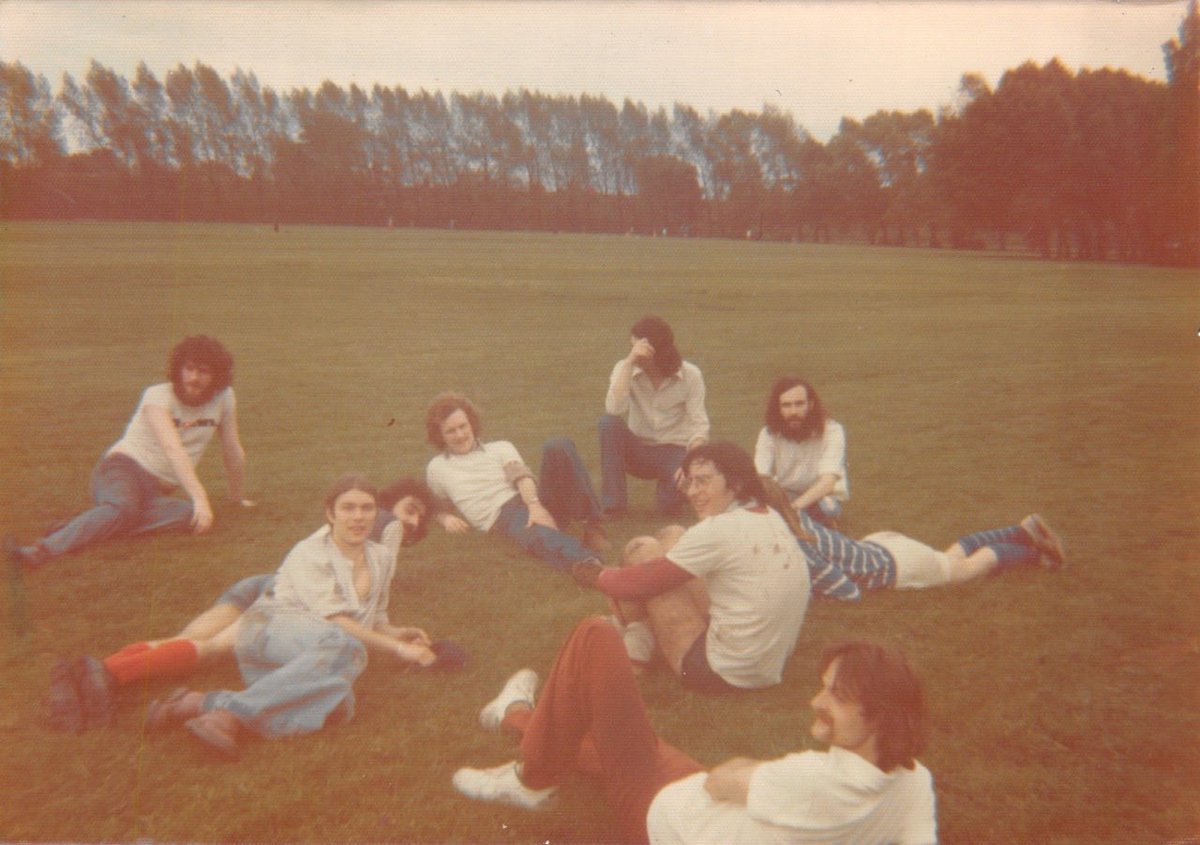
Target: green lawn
974	389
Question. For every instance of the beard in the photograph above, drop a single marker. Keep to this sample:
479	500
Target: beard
796	428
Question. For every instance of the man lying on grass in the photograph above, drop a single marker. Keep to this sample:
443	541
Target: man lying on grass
493	489
83	691
888	559
867	788
301	645
158	452
724	599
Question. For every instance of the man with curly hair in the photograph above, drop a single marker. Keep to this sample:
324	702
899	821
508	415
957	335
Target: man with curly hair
163	441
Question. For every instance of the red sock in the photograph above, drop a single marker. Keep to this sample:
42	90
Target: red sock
172	658
132	648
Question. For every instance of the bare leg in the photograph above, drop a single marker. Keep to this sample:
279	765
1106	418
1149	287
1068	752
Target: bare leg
677	617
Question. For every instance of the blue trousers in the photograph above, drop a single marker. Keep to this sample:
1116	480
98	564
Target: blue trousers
565	489
129	500
623	453
297	669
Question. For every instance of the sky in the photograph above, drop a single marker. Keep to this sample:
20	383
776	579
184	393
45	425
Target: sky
819	61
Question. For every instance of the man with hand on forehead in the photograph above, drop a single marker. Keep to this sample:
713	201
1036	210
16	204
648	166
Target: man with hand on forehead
163	442
653	413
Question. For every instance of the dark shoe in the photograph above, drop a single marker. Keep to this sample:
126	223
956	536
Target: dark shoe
218	729
1048	543
64	711
182	704
97	691
595	537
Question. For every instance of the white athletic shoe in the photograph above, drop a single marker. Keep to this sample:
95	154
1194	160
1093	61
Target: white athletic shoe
520	687
501	784
638	638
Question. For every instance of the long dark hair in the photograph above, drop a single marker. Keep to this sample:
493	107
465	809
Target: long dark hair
879	680
814	423
733	462
656	330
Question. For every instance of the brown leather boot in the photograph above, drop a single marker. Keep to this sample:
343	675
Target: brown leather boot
182	704
218	729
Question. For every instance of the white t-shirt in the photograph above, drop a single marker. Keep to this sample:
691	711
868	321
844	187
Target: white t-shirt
802	799
917	565
672	414
796	466
758	587
317	579
196	426
475	482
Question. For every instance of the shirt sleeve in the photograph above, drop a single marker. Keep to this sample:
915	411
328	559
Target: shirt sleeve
697	415
921	822
612	403
433	479
833	451
784	792
764	454
388	550
701	548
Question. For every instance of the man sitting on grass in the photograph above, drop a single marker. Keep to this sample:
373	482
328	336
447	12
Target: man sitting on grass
83	691
494	490
803	450
725	599
867	788
162	444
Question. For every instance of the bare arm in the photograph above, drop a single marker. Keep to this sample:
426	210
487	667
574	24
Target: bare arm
617	400
730	781
820	488
406	651
538	515
168	440
234	457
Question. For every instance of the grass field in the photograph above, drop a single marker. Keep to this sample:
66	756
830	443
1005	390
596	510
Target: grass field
974	389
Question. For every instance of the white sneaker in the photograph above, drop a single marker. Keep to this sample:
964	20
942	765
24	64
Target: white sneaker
638	639
501	784
520	687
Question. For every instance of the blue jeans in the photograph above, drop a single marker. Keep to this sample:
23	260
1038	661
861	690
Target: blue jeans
297	669
565	489
622	452
129	500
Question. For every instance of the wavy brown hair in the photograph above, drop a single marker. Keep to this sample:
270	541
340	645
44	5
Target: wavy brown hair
206	352
881	682
658	331
814	423
442	406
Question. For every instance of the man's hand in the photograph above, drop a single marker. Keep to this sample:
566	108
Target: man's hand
202	515
586	573
422	655
247	503
640	351
538	515
413	636
453	524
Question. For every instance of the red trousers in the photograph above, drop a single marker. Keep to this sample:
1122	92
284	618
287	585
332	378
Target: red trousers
590	717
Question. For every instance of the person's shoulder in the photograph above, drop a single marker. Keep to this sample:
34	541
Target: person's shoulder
833	425
687	368
159	394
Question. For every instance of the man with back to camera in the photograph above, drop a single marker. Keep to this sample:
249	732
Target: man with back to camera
866	788
494	490
803	450
162	443
663	398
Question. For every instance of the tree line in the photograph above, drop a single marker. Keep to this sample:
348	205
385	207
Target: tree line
1097	165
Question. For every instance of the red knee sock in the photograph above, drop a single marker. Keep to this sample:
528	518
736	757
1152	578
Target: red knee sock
171	659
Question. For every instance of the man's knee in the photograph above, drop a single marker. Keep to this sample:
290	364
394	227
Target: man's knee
558	446
610	425
641	549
